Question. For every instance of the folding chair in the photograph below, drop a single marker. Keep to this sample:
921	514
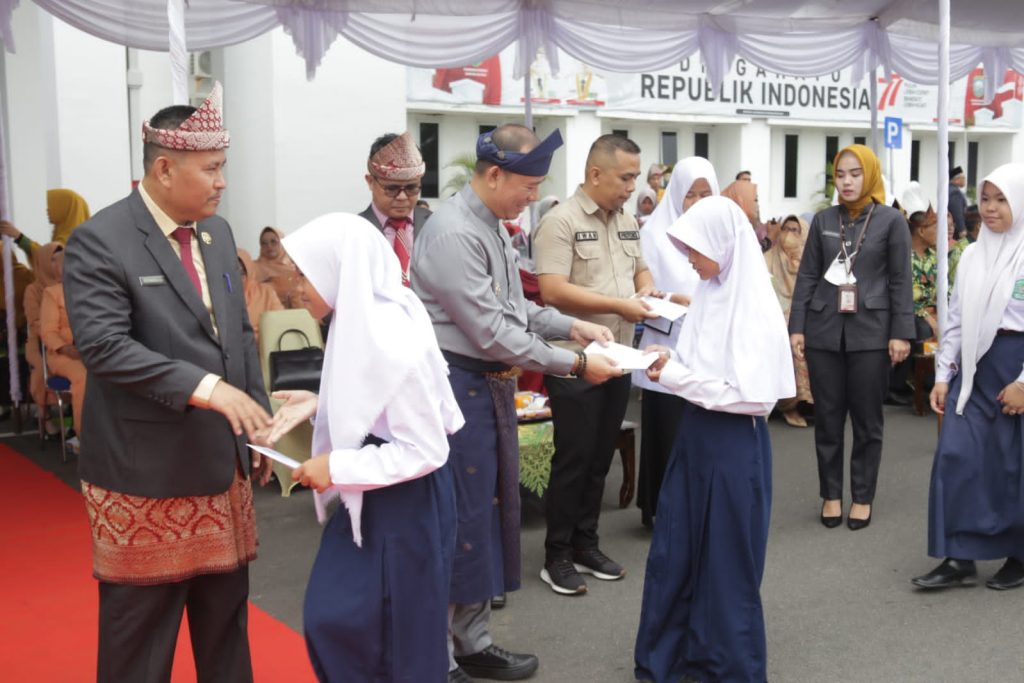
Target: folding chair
61	387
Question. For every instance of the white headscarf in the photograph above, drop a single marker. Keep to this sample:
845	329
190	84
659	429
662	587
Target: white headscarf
985	277
735	329
380	335
670	269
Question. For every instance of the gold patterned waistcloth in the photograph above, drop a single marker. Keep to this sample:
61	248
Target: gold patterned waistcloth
145	541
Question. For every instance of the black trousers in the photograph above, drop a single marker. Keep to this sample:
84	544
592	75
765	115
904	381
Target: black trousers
853	382
587	420
139	629
660	415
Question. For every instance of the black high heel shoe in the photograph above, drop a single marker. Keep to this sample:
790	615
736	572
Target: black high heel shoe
855	524
830	522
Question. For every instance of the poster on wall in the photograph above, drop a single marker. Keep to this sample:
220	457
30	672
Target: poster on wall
747	91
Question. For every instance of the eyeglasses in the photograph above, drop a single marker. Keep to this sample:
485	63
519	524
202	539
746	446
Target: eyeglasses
393	191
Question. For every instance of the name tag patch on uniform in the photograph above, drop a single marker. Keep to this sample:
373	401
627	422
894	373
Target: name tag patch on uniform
588	236
1018	290
152	280
629	235
829	233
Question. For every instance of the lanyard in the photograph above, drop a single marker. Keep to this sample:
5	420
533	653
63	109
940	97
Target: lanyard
848	260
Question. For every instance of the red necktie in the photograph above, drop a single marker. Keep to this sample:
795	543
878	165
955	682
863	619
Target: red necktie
184	237
401	246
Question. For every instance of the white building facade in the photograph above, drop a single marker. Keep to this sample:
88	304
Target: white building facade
73	107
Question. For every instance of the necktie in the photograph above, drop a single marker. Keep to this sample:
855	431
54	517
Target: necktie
402	250
184	237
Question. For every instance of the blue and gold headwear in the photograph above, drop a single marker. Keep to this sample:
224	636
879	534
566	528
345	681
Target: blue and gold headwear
533	163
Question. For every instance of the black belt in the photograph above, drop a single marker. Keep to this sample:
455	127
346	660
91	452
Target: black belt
1009	333
473	364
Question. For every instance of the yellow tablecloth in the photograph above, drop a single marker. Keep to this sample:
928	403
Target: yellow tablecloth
536	447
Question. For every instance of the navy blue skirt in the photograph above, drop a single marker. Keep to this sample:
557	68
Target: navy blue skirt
976	500
380	613
701	612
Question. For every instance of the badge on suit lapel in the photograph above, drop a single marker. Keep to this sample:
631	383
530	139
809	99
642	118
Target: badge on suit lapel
207	239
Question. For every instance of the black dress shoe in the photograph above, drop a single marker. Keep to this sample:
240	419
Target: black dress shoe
830	522
459	676
498	601
948	574
498	664
1010	575
855	524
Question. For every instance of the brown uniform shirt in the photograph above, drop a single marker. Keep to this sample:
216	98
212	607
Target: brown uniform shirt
573	240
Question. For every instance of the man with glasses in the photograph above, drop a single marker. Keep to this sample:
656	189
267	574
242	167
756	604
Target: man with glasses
394	172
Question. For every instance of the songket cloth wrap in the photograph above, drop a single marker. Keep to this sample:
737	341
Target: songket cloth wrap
146	541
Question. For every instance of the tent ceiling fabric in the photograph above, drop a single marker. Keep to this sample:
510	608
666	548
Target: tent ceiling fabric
796	37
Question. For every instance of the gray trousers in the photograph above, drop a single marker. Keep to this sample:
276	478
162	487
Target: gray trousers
468	630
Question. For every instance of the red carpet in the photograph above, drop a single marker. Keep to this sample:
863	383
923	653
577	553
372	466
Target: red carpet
49	601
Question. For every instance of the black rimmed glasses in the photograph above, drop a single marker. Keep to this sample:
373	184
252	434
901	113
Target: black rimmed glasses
392	190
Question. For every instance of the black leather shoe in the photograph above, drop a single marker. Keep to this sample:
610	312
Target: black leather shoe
1010	575
830	522
499	601
895	399
459	676
855	524
498	664
948	574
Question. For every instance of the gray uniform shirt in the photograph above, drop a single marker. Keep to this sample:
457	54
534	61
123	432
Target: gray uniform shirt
465	272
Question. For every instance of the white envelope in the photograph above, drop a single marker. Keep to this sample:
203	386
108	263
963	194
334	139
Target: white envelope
275	455
627	357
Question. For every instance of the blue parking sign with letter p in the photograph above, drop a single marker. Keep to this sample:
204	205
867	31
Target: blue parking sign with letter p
893	132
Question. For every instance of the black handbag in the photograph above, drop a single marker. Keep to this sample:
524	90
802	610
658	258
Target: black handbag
296	368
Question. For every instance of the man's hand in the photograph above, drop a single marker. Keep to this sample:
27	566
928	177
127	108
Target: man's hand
261	468
1012	398
71	351
298	407
314	473
243	413
796	342
7	228
634	310
654	371
938	397
601	368
899	349
583	333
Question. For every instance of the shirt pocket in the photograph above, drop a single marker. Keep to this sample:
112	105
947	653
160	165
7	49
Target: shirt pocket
586	268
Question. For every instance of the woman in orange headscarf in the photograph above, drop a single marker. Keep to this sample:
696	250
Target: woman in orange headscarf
46	275
744	193
259	297
851	317
275	268
62	357
783	261
66	209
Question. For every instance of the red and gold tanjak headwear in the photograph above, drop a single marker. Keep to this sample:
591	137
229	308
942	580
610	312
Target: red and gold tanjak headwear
201	132
400	160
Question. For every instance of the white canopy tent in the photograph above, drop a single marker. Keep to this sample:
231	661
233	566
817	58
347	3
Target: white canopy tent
794	37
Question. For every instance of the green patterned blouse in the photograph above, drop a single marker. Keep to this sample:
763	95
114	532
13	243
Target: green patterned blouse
923	271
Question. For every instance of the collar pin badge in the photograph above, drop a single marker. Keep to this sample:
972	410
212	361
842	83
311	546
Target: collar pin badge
207	240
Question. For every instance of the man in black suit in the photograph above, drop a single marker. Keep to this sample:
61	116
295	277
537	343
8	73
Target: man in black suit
156	305
394	174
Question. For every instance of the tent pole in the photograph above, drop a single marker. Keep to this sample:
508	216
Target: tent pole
527	102
177	51
873	89
941	182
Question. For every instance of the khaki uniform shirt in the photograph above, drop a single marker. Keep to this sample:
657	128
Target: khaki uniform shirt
573	240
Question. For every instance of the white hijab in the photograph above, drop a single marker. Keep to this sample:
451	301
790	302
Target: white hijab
985	277
380	335
735	330
670	269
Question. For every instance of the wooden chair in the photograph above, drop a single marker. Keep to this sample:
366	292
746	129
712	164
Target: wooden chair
297	443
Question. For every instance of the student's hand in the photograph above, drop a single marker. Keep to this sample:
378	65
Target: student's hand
899	349
634	310
298	407
796	342
583	333
261	468
314	473
654	371
938	397
243	413
680	299
601	368
1012	398
7	228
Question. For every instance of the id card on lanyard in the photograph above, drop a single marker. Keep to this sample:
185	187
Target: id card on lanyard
847	299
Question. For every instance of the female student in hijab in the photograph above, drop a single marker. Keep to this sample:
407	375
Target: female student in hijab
692	179
646	199
376	606
783	261
701	616
976	501
852	314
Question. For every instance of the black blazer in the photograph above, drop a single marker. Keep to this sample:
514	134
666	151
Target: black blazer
419	217
884	288
147	341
